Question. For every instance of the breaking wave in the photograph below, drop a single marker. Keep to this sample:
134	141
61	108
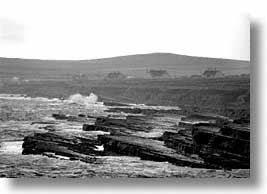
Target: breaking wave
25	97
84	100
79	99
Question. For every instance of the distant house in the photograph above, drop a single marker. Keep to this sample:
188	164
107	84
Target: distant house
116	75
158	73
80	77
212	73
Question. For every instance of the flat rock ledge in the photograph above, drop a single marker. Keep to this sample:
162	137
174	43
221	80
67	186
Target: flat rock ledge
214	144
86	150
61	144
146	149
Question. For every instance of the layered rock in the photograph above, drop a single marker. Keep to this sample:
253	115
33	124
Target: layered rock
122	126
79	118
228	148
181	142
143	111
203	141
220	146
146	149
61	144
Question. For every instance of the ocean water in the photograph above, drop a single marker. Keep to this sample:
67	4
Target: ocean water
17	112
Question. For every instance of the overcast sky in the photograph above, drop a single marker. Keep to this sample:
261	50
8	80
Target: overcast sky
96	29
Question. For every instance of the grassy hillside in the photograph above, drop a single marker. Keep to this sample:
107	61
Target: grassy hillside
132	65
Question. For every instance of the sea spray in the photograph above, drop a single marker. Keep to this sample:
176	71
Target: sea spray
84	100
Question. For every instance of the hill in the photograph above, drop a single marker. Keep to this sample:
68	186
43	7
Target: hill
131	65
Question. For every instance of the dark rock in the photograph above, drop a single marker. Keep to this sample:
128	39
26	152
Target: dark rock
79	118
76	119
146	149
115	104
60	116
207	118
244	121
125	110
60	144
220	147
132	123
182	142
91	116
186	124
228	148
106	121
88	127
227	151
236	131
43	122
81	115
143	111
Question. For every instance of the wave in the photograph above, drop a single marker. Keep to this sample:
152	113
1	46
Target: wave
84	100
79	99
25	97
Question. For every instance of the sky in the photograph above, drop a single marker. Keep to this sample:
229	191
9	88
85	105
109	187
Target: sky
79	29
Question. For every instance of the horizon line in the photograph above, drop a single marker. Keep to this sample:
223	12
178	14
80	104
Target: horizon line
50	59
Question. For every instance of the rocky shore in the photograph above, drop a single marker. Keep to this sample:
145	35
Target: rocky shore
199	140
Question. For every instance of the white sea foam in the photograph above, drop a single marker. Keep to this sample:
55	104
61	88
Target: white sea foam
92	99
99	148
11	147
24	97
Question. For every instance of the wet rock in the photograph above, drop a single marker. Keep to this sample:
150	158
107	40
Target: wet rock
135	123
220	147
226	149
60	116
143	111
186	124
126	110
76	119
79	118
89	127
92	127
60	144
115	104
236	131
43	122
81	115
120	126
181	142
244	121
146	149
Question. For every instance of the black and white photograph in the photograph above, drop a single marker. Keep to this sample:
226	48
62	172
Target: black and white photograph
88	92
